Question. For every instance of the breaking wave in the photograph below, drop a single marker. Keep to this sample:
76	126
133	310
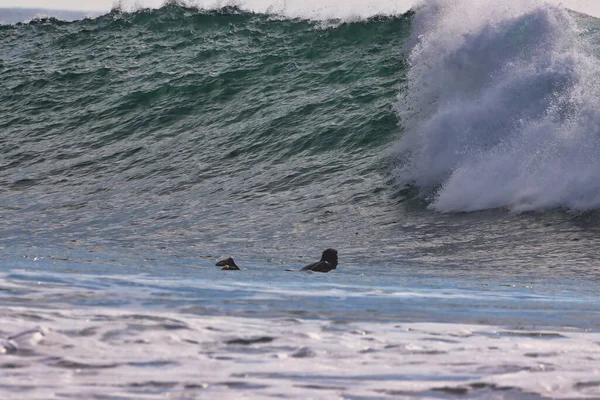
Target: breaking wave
502	108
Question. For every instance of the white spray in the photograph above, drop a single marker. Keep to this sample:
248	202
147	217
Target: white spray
502	108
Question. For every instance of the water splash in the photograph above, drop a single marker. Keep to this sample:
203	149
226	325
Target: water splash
501	108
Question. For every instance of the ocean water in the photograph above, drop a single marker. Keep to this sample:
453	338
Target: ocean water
448	153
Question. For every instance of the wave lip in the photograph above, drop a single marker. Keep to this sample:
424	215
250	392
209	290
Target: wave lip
500	111
290	9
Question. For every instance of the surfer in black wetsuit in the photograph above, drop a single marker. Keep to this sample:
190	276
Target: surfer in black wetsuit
329	261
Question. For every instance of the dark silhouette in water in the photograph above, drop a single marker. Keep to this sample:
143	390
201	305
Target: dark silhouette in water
329	261
228	265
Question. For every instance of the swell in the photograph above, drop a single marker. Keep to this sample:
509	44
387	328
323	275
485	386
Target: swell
200	109
123	73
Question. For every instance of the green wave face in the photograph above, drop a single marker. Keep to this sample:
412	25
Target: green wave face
194	116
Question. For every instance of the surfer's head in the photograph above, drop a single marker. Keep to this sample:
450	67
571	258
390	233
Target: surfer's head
331	256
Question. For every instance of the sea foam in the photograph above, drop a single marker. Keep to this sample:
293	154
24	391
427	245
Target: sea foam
501	109
133	353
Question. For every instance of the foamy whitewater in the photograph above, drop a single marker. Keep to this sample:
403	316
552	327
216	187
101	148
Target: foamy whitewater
501	109
449	154
185	337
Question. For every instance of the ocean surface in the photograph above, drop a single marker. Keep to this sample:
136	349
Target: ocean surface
449	153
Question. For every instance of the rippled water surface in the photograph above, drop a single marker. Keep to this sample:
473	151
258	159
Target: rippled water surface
452	165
